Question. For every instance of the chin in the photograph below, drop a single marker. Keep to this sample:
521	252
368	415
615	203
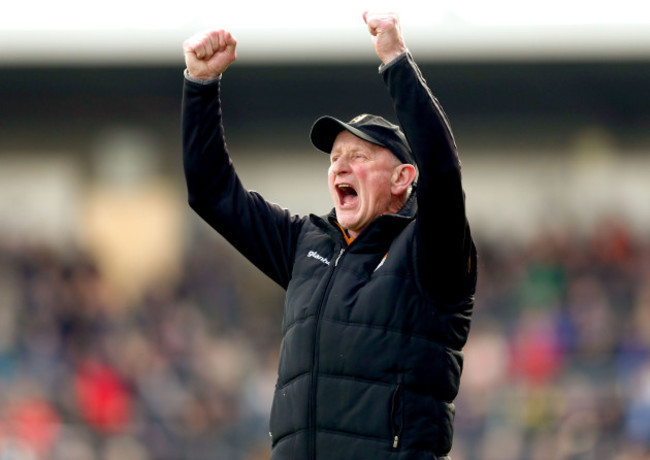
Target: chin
345	223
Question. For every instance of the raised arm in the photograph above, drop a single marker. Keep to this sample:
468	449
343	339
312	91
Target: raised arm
261	231
445	250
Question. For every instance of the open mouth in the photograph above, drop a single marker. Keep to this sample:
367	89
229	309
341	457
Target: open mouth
347	194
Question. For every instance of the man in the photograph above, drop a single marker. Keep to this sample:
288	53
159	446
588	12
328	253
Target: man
380	292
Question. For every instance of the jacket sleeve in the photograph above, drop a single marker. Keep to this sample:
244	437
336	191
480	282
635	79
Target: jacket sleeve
445	252
263	232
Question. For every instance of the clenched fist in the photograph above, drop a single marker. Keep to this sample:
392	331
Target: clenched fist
386	35
208	54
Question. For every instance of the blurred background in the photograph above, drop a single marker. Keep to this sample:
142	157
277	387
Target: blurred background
130	330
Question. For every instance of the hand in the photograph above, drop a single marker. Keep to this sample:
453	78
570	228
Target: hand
386	35
208	55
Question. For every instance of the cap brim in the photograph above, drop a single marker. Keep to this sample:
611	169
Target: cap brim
325	129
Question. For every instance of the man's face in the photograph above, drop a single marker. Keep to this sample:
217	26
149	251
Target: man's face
360	181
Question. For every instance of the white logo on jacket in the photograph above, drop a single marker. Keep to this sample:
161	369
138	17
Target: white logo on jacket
317	256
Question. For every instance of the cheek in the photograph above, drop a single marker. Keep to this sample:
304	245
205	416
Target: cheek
377	185
330	180
330	187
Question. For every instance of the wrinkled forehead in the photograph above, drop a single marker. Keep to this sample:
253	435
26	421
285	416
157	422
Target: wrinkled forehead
346	142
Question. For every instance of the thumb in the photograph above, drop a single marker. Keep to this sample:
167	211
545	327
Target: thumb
372	25
231	42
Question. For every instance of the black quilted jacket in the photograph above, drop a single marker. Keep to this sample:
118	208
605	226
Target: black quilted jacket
373	330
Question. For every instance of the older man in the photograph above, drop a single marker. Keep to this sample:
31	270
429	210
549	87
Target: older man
379	293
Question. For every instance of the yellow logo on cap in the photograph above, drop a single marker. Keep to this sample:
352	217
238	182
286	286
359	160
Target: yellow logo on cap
358	119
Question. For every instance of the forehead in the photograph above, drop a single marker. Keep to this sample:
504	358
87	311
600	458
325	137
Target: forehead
346	141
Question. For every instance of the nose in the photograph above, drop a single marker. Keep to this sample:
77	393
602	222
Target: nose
340	166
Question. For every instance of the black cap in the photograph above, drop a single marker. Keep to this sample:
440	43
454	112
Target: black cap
371	128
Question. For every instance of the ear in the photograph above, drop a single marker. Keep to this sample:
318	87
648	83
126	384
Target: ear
403	176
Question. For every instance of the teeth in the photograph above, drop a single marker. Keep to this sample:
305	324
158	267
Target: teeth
344	186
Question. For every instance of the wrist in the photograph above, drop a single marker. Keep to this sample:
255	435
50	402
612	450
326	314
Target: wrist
394	60
201	81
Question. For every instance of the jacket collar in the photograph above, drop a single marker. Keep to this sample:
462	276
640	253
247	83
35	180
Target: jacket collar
380	231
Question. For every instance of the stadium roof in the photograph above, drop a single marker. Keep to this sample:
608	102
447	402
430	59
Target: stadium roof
141	31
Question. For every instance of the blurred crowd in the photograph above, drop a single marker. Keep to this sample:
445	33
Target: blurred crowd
186	372
557	365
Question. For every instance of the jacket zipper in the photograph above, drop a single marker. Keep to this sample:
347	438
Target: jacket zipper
336	262
315	359
396	414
